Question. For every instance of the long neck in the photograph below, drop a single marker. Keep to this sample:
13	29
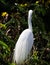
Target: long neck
29	21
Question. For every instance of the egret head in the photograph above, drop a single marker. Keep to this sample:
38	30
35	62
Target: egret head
30	12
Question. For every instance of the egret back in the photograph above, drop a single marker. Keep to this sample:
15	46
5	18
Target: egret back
23	46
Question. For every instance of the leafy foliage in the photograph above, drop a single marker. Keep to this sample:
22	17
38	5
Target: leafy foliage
15	21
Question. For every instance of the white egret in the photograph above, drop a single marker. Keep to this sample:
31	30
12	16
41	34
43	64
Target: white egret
24	43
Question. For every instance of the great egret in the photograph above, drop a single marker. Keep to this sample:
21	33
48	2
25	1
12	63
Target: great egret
24	43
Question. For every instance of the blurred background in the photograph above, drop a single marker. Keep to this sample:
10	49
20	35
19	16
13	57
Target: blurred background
13	20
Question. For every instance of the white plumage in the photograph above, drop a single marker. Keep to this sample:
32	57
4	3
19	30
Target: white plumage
24	43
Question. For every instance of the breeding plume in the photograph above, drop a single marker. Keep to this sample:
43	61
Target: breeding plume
24	43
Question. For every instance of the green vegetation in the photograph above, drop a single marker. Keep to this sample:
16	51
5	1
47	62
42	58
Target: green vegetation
13	20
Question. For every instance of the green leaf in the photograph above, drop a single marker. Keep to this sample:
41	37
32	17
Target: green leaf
12	64
3	1
2	26
5	46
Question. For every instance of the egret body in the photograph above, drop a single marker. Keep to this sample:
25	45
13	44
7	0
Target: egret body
24	43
